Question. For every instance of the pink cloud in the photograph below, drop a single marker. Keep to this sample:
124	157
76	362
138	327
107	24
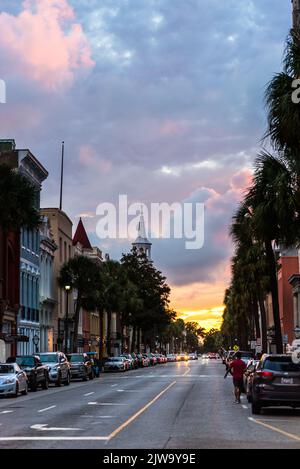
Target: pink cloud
44	43
89	158
171	128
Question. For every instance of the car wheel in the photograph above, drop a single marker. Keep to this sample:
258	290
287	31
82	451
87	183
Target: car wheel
25	392
17	391
91	375
256	407
58	382
45	383
249	398
85	378
66	383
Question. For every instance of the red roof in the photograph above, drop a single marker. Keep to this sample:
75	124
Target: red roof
81	236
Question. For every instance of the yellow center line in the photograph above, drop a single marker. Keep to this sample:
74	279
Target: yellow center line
275	429
141	411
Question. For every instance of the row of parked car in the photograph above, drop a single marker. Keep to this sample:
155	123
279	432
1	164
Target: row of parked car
28	372
132	361
270	381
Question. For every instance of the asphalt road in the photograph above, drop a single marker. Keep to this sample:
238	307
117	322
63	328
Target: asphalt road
182	406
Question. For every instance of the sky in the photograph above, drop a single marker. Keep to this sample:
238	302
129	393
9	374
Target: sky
161	100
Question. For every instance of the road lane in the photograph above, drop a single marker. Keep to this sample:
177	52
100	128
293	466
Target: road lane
168	406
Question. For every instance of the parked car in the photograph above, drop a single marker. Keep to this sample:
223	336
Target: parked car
129	359
135	359
58	366
140	359
245	356
171	357
276	382
116	364
152	358
193	356
81	366
13	380
248	378
212	356
146	360
37	373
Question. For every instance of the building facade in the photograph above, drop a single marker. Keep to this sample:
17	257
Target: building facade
61	231
47	280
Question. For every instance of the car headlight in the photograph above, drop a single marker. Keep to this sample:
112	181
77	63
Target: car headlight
9	381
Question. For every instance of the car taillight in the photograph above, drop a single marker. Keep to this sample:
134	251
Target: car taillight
265	374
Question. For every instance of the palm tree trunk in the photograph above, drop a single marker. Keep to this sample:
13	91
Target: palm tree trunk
76	323
108	334
122	332
274	292
101	334
263	318
133	344
256	316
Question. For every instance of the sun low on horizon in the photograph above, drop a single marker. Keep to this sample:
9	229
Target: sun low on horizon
206	318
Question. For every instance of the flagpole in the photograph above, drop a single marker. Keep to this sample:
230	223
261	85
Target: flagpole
62	174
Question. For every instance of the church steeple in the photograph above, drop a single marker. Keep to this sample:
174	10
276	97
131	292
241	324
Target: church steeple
142	243
296	14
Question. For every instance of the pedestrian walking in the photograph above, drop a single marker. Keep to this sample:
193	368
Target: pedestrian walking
237	369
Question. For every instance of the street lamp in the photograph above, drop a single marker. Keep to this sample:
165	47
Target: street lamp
36	340
67	289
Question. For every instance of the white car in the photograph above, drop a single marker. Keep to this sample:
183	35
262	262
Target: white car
12	380
58	366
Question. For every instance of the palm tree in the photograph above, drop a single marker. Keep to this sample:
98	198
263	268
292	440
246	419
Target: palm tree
17	209
83	275
274	204
250	257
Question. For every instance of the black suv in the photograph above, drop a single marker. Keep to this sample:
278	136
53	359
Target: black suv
81	366
276	382
37	373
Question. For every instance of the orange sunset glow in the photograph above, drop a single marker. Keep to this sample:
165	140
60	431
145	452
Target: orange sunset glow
200	302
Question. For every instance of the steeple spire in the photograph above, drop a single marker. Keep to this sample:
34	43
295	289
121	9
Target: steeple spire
142	244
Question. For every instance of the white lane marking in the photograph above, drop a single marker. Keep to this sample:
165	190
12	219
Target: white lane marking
114	385
6	412
120	390
44	428
245	406
47	408
54	438
89	394
275	429
104	403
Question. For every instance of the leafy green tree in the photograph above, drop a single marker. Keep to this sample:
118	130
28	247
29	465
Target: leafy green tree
83	275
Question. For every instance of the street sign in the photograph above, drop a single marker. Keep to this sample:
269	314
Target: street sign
236	348
253	344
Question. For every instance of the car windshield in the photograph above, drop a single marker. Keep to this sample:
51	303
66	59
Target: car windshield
25	361
284	364
48	358
6	369
75	358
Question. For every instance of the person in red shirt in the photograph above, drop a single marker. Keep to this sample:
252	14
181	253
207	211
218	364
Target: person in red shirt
237	368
